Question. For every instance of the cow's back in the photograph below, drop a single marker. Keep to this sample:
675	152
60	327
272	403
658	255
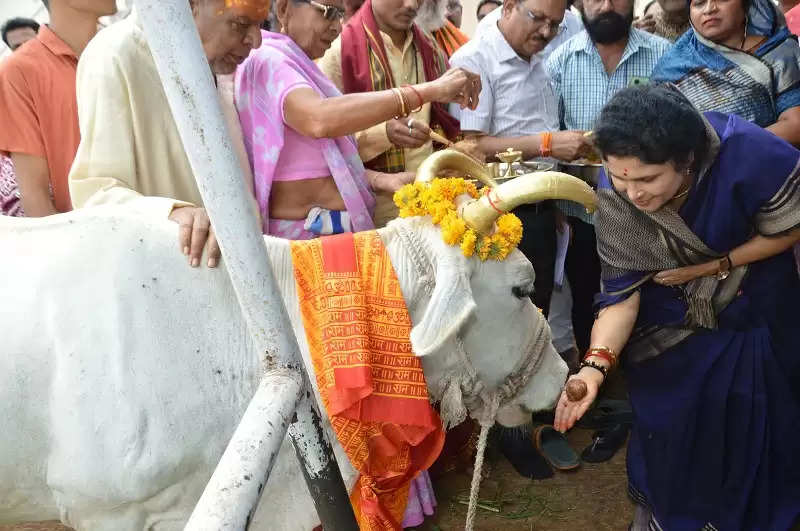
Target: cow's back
124	371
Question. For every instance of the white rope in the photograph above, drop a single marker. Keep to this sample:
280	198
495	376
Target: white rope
476	477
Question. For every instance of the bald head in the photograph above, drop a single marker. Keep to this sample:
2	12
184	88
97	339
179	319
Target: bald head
229	29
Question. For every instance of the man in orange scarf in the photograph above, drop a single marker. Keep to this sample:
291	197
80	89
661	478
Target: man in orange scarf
432	17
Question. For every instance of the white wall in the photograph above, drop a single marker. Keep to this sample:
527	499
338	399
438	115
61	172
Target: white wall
468	18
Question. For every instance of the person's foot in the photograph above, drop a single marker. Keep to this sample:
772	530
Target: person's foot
605	443
517	446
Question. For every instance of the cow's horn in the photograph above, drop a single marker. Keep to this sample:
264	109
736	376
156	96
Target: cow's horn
453	160
481	214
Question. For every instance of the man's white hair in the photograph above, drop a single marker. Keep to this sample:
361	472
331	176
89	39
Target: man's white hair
431	15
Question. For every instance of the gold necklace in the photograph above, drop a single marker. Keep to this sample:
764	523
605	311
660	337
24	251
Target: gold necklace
681	194
678	196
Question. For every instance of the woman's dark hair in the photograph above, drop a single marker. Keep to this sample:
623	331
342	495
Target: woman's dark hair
654	123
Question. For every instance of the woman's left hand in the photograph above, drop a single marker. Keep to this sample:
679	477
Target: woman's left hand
569	412
390	182
682	275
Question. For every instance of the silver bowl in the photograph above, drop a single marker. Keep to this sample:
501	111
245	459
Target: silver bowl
517	169
523	167
582	169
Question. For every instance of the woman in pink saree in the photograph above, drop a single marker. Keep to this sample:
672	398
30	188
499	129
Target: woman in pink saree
308	177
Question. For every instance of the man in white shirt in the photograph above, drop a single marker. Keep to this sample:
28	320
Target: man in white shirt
519	109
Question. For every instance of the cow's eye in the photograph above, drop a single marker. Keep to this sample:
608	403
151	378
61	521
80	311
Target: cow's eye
522	292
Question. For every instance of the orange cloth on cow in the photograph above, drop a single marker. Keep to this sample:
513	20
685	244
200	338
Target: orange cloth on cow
450	38
371	383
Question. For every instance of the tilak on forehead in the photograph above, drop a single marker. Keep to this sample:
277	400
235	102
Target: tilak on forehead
256	9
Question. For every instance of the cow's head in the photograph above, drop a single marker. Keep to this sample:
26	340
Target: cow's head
467	309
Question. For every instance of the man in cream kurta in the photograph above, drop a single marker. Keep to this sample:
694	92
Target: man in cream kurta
410	135
130	151
406	65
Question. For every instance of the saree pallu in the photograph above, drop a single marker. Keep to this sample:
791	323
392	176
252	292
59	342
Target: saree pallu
262	83
758	86
714	437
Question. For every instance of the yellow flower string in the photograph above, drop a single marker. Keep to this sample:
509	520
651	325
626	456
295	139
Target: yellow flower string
437	199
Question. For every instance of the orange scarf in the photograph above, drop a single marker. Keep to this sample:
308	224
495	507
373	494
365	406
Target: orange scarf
371	383
450	38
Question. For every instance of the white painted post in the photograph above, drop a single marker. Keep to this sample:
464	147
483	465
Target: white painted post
185	74
232	494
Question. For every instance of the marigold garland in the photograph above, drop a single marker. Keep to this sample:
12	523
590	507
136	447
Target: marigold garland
437	199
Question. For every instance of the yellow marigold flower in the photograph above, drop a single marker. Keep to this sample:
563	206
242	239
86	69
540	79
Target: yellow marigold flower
438	200
510	226
468	243
453	228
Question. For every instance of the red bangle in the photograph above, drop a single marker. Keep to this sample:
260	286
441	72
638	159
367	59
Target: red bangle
601	353
419	96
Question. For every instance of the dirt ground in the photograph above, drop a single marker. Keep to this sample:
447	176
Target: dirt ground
590	498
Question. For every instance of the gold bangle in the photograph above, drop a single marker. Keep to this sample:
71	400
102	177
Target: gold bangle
402	100
604	348
399	105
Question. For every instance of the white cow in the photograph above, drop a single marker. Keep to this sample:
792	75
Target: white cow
124	372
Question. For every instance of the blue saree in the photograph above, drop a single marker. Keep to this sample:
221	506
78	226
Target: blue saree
717	414
757	86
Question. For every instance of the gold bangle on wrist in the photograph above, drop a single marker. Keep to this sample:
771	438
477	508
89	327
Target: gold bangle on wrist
402	103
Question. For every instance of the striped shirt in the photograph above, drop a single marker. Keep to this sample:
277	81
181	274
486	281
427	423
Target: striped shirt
583	86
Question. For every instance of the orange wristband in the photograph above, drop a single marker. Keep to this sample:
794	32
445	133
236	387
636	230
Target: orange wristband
546	148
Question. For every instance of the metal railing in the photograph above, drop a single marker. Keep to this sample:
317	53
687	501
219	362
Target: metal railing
185	74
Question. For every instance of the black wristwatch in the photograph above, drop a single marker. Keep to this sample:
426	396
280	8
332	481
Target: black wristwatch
724	265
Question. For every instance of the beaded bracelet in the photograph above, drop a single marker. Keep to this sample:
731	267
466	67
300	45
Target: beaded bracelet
596	366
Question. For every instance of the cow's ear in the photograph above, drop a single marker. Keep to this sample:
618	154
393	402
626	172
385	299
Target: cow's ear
450	305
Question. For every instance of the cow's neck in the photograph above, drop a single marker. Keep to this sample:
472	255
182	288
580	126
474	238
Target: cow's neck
408	242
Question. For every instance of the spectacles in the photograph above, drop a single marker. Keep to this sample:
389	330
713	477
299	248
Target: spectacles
539	20
330	13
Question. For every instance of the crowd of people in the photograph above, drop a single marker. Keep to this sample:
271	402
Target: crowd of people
332	105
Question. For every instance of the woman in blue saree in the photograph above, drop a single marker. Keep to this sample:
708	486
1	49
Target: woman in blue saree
738	58
696	218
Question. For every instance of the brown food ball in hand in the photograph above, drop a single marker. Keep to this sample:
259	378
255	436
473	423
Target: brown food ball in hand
576	390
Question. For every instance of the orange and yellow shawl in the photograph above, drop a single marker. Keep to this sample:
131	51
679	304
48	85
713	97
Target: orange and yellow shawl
371	383
450	38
